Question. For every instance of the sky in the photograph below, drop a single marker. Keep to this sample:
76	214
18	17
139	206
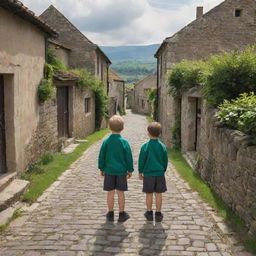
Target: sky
126	22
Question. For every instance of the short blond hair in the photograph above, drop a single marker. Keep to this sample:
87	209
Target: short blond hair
155	129
116	123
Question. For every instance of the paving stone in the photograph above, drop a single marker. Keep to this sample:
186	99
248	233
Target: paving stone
69	219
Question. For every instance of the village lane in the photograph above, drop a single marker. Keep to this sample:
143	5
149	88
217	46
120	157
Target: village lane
69	220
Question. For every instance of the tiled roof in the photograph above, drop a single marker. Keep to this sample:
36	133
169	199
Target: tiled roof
62	75
114	76
21	10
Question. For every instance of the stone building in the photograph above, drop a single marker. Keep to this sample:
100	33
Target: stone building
141	89
228	26
85	54
116	93
22	59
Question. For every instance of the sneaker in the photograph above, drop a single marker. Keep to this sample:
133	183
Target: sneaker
149	215
110	216
123	216
159	216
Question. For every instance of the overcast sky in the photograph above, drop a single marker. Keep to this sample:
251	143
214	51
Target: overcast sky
126	22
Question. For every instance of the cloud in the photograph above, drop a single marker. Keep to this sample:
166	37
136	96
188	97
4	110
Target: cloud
122	22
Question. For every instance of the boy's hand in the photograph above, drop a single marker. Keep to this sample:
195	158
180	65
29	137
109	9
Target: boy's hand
141	176
129	175
102	173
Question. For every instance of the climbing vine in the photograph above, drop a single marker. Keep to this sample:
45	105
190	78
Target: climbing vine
152	98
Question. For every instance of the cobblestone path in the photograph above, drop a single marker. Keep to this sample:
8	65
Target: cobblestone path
69	218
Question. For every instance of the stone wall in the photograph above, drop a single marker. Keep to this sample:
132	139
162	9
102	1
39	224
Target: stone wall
45	138
218	30
228	163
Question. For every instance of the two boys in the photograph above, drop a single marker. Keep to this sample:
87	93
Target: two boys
116	165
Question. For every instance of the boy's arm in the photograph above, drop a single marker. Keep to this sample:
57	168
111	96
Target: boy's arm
129	159
142	158
102	154
165	158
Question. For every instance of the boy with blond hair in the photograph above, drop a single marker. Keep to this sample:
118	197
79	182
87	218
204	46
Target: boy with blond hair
116	165
153	161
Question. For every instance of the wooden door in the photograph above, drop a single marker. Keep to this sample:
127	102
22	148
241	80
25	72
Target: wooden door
63	111
3	168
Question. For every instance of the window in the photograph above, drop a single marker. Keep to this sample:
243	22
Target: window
238	13
87	104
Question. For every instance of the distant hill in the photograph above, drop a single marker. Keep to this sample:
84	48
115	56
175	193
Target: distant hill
130	52
133	63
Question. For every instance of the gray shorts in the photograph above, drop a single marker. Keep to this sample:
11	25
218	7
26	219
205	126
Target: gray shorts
118	182
154	184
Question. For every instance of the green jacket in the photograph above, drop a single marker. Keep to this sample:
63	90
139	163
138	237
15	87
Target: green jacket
153	159
115	156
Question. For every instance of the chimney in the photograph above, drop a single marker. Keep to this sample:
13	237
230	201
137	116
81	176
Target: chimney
199	11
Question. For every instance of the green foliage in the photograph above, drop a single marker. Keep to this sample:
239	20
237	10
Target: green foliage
152	98
45	90
45	159
53	60
240	114
185	75
101	99
230	74
39	182
35	168
176	132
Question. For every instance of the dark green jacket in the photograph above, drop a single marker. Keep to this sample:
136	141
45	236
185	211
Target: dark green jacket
115	156
153	159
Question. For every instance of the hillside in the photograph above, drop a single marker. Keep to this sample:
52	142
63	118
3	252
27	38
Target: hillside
133	63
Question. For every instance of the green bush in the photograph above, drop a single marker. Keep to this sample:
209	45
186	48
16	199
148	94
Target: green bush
53	60
240	114
45	159
185	75
45	90
230	74
152	98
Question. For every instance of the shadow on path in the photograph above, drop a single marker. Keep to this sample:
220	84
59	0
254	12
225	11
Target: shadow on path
109	238
153	238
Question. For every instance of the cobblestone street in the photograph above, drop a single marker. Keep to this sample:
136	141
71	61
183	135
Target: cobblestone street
68	220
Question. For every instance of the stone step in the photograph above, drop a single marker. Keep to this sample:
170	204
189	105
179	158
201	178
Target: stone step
12	193
6	179
68	142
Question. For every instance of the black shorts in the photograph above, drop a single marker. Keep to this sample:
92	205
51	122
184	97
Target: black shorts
154	184
118	182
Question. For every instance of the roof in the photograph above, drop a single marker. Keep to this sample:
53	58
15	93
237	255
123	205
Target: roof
62	75
194	22
52	9
150	81
57	43
114	76
17	8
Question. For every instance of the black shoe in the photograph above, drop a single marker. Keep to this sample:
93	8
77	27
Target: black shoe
123	216
110	216
159	216
149	215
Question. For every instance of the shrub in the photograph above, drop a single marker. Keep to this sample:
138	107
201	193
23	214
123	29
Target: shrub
230	74
240	114
35	168
185	75
53	60
152	98
45	90
45	159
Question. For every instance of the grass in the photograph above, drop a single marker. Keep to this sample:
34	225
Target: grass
208	195
39	182
150	119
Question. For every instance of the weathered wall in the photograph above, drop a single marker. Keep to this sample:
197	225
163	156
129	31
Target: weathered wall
130	99
61	54
228	164
83	123
217	31
23	64
116	94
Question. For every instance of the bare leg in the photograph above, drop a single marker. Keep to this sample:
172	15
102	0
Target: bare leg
110	200
158	202
121	200
149	201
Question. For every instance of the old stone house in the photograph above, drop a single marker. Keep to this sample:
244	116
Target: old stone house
141	104
221	156
22	59
85	54
116	93
228	26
